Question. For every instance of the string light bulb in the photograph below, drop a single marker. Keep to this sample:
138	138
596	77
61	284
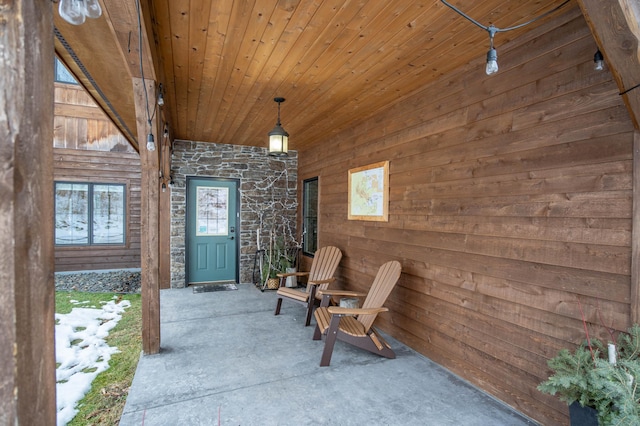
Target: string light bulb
598	61
492	54
492	62
76	11
151	144
160	96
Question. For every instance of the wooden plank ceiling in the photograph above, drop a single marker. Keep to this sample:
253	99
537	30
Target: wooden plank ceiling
336	62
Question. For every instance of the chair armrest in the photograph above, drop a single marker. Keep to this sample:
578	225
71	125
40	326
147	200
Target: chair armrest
337	310
291	274
318	282
329	292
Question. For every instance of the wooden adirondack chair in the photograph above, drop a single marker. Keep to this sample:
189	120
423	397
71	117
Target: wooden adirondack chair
354	325
324	265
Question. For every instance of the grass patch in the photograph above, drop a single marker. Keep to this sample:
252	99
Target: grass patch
67	300
105	401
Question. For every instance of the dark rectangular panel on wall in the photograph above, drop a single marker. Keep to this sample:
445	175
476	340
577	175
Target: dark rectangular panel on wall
510	211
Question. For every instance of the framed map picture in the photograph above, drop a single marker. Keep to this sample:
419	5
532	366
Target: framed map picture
369	192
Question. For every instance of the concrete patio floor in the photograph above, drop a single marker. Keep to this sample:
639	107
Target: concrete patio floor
227	360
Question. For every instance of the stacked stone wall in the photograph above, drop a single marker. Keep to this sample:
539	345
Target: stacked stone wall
268	193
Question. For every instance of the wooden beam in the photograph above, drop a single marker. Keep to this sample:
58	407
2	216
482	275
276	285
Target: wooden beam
631	10
94	57
149	221
618	42
165	212
122	18
27	366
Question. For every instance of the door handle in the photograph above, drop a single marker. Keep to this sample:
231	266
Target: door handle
231	238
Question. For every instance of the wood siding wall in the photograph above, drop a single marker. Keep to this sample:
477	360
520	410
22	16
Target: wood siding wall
510	211
89	148
80	124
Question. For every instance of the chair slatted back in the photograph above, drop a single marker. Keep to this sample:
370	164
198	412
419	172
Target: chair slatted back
385	280
324	265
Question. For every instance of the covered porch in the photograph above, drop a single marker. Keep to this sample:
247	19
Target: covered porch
226	359
513	198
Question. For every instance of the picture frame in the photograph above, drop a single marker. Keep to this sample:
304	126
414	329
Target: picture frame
369	192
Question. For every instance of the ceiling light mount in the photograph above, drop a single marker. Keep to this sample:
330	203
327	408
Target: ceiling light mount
492	54
278	137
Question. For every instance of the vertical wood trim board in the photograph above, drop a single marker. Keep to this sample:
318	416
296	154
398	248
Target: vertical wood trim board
635	242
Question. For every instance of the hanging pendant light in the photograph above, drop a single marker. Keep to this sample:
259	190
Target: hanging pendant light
278	137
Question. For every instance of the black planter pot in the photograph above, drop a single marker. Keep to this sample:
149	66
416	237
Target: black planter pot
582	416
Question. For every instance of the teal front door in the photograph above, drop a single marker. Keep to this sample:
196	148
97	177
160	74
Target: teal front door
212	230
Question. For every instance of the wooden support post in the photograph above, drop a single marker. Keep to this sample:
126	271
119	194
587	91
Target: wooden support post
635	233
150	188
27	298
165	215
609	24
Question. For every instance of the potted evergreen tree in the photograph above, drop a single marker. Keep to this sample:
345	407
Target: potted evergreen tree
604	379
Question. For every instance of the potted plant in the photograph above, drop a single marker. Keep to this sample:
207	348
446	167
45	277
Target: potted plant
605	379
276	260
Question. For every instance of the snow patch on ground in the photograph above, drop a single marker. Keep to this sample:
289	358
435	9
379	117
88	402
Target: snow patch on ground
81	352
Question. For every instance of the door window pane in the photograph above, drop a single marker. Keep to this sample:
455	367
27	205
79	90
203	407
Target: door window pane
310	216
213	210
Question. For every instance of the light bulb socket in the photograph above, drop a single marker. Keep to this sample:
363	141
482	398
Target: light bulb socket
492	55
598	61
